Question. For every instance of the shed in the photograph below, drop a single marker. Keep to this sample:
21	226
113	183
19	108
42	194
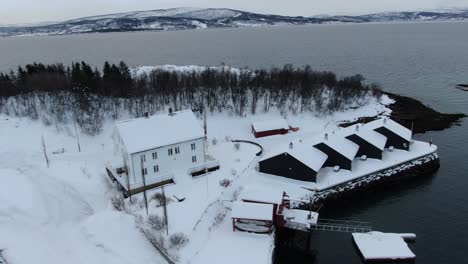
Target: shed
370	142
299	162
265	195
270	127
397	135
262	194
340	151
253	217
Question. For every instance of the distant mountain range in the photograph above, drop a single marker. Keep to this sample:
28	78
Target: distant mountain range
197	18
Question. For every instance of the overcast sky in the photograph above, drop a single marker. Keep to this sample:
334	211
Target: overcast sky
26	11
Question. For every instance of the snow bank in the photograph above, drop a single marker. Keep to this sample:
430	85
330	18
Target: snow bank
61	214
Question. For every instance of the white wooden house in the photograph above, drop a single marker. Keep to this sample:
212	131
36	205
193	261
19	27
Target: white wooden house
149	150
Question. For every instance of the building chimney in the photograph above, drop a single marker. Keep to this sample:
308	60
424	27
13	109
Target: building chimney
291	145
385	120
326	136
171	113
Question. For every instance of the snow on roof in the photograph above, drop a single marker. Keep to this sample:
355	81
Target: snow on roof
268	125
368	135
382	246
259	193
341	145
305	153
392	126
142	134
254	211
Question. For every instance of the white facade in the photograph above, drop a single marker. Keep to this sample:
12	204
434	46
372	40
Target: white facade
158	146
167	160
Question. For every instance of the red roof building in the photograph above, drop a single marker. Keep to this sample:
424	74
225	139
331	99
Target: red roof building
270	128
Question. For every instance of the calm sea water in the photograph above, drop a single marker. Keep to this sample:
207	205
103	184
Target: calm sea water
422	60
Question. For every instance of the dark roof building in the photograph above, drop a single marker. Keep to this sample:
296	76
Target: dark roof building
299	161
340	151
397	135
371	143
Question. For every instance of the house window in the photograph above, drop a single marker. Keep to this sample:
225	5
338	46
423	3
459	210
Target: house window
169	152
193	146
155	155
177	150
194	159
143	158
144	171
156	168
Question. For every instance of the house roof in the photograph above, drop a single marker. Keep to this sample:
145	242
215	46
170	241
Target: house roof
369	135
341	145
267	125
392	126
260	193
305	153
141	134
255	211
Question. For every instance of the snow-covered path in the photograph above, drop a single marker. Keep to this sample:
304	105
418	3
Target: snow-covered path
61	214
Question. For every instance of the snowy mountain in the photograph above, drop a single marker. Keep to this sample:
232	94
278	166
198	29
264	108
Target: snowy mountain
198	18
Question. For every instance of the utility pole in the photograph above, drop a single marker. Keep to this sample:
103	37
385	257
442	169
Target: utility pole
144	185
44	150
76	133
128	178
205	149
165	209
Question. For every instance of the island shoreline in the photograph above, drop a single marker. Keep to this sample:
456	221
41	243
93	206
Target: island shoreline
414	115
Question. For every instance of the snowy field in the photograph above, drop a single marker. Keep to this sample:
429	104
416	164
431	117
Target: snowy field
63	214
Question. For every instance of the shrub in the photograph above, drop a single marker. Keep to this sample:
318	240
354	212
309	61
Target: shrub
237	146
159	197
133	200
156	222
219	218
224	183
178	240
118	203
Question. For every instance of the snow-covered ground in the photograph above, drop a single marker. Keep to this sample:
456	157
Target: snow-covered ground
204	216
63	214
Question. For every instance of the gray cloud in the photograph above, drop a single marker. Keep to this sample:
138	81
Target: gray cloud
26	11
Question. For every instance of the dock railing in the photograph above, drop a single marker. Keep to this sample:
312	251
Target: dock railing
342	226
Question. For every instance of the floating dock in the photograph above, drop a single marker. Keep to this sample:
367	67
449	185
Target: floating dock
377	246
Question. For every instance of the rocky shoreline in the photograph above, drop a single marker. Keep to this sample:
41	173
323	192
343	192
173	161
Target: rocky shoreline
407	110
463	87
412	113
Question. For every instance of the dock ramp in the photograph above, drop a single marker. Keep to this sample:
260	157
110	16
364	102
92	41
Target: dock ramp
342	226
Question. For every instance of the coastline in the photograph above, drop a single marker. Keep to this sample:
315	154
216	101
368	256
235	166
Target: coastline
407	111
413	113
